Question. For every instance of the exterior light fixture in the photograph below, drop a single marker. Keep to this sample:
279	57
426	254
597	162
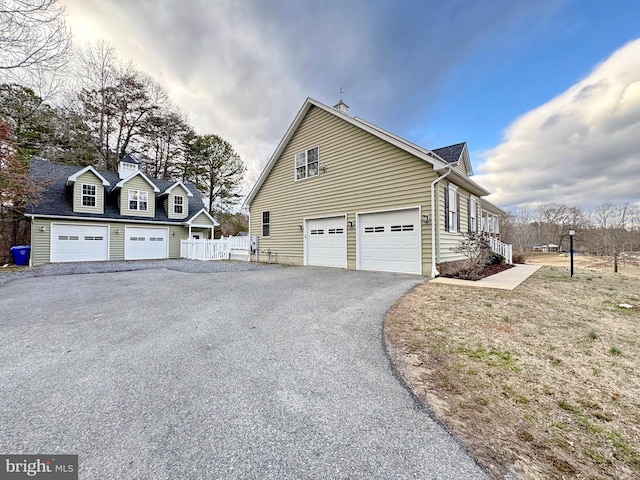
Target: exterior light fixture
425	218
173	233
350	223
301	227
43	229
117	231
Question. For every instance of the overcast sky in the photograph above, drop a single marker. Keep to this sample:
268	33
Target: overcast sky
546	93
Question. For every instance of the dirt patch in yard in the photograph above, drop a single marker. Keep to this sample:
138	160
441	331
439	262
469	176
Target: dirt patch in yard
541	381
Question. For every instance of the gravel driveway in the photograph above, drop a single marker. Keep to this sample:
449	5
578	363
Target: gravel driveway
159	374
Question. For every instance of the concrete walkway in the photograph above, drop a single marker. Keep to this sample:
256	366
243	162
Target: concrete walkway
507	280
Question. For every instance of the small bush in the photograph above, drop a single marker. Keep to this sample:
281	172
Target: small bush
494	258
519	257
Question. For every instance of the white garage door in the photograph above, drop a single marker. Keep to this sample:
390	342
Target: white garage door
79	243
326	242
390	241
145	243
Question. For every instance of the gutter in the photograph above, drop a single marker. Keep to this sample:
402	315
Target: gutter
434	270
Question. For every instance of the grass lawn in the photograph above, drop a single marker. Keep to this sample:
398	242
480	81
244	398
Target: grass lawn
543	381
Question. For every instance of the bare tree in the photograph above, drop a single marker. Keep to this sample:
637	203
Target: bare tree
34	37
517	229
612	223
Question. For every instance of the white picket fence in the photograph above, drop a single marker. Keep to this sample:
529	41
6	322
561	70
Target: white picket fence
221	249
503	249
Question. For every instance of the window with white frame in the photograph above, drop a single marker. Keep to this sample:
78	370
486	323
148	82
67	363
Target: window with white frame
473	215
88	195
266	223
178	204
138	200
307	163
452	209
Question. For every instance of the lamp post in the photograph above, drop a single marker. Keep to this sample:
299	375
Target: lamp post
571	235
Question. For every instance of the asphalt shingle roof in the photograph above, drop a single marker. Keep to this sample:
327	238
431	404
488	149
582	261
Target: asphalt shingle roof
450	154
57	198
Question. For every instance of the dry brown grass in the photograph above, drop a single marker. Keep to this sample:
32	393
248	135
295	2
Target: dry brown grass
541	381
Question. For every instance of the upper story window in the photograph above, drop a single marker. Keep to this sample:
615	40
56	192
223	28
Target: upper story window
138	200
307	163
178	204
88	195
266	223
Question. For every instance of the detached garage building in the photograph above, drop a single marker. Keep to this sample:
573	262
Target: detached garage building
90	215
342	192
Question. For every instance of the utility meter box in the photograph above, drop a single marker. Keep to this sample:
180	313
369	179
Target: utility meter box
254	243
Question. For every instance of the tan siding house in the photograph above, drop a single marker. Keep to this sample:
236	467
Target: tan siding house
88	215
342	192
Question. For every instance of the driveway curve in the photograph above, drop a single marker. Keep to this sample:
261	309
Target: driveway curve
158	374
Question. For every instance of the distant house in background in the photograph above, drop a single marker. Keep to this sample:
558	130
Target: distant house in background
551	247
342	192
88	215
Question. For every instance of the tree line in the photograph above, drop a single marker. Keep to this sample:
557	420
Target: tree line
609	230
113	110
89	107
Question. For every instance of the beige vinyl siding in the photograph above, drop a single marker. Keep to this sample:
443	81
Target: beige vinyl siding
447	241
181	192
41	241
202	219
88	178
460	167
363	174
137	183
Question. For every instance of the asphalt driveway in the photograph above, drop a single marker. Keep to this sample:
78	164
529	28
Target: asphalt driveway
158	374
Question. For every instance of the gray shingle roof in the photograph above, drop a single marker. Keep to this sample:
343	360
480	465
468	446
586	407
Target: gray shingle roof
57	198
450	154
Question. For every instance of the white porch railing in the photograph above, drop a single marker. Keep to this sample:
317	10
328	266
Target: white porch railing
220	249
503	249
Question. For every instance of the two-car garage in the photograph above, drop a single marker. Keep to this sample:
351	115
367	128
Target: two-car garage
386	241
88	242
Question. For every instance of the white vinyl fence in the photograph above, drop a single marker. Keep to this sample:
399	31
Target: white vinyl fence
221	249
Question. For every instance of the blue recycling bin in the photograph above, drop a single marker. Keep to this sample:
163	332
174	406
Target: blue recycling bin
21	254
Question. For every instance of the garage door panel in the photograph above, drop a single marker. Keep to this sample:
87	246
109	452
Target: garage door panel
142	243
326	242
390	241
79	243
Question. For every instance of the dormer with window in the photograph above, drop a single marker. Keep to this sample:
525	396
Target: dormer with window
176	201
88	190
137	196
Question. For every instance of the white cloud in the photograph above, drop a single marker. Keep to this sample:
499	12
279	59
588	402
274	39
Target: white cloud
582	147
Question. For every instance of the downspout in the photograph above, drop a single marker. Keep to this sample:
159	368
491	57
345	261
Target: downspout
434	270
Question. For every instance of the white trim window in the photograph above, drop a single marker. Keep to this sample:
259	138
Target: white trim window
138	200
89	195
266	224
178	204
452	209
307	163
473	214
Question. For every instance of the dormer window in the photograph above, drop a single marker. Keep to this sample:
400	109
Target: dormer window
88	195
178	204
138	200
